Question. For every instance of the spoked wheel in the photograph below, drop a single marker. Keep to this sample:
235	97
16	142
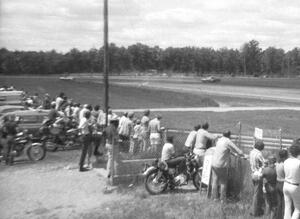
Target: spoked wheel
36	152
155	184
197	179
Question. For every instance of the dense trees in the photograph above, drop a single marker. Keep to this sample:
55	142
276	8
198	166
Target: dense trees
249	60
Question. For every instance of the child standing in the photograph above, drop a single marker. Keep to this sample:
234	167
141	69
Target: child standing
282	156
137	137
270	179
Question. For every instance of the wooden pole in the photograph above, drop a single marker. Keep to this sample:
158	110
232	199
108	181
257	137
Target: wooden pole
105	61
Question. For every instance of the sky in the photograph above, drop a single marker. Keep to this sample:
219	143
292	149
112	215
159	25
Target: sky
66	24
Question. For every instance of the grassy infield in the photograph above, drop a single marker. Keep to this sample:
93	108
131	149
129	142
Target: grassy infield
181	204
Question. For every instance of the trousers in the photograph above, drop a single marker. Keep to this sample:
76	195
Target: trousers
291	198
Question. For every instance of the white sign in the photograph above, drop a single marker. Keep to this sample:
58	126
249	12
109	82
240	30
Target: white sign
258	133
206	171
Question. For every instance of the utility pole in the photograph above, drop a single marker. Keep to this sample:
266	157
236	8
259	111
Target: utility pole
105	60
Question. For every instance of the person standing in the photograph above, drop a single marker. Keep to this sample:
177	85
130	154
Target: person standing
9	131
85	127
146	131
256	163
291	189
155	133
269	177
202	138
46	102
137	137
282	156
97	131
221	163
110	136
59	100
126	132
191	139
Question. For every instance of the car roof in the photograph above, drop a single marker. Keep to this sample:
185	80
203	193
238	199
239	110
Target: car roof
28	113
3	107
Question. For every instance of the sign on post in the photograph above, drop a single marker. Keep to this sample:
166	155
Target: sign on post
258	133
206	171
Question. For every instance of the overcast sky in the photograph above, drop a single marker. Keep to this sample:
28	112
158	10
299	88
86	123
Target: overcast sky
66	24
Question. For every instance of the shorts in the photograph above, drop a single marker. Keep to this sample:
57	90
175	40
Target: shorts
155	138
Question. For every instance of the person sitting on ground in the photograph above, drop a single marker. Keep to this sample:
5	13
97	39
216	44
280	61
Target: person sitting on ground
202	138
256	163
221	163
282	156
269	177
291	189
191	139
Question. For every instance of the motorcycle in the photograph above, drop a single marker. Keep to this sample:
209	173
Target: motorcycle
61	134
160	175
25	142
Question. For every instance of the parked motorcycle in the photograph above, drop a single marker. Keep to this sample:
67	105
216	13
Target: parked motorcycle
160	175
60	135
26	142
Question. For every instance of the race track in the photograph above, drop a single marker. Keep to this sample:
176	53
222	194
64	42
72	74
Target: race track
278	94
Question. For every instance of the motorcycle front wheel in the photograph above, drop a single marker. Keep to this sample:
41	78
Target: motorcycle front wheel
36	152
154	184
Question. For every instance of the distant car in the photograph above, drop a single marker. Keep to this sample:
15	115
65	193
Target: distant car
31	120
67	78
10	108
210	79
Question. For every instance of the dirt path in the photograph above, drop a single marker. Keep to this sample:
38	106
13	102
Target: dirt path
53	188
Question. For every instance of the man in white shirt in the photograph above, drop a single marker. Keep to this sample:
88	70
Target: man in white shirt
59	100
202	138
155	133
126	132
191	139
86	133
168	150
122	119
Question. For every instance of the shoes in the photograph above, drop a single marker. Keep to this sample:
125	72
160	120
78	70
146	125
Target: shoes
83	169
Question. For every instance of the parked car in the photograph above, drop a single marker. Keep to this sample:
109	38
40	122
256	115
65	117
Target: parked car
210	79
11	97
10	108
31	120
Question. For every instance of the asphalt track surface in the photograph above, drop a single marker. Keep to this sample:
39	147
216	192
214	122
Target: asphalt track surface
278	94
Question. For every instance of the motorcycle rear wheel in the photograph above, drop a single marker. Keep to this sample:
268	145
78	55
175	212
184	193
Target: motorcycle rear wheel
36	152
153	187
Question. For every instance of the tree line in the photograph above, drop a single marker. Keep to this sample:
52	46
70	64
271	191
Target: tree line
250	59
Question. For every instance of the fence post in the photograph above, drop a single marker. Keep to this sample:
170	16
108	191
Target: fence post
240	133
280	138
115	159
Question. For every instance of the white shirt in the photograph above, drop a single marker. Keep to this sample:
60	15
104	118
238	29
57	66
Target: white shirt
292	170
81	113
191	139
58	102
167	152
121	121
84	126
202	137
145	123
